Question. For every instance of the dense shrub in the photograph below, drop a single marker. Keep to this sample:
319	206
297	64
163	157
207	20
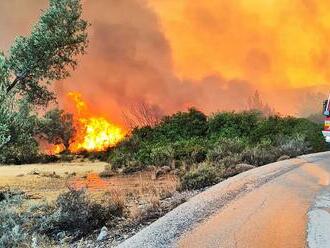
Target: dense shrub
162	155
40	225
261	154
204	175
75	214
183	125
293	146
226	147
11	233
223	140
231	125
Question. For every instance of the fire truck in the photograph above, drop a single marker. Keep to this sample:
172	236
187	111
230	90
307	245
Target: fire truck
326	113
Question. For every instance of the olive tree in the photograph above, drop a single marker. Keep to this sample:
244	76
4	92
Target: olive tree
57	127
48	53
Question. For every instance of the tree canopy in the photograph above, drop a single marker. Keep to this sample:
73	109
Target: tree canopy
48	54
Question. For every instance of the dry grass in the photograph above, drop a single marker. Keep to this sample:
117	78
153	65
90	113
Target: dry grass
49	180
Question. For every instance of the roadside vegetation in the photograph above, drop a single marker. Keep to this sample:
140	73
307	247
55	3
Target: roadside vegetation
204	150
70	217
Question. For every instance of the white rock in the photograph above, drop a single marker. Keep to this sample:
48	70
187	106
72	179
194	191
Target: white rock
103	234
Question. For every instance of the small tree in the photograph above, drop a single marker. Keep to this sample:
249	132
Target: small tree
57	127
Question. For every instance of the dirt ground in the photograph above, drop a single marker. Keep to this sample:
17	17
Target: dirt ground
47	181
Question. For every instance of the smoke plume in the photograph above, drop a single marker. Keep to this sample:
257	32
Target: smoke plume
177	54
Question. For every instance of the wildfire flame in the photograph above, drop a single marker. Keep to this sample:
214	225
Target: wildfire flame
94	133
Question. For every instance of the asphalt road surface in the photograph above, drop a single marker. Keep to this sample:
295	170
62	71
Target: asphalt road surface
285	204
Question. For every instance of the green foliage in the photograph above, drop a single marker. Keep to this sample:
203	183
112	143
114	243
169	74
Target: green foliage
191	150
183	125
226	147
222	141
20	126
162	155
7	115
261	154
230	124
204	175
190	137
294	146
57	128
49	52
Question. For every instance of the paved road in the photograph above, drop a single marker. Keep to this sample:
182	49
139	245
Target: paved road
285	204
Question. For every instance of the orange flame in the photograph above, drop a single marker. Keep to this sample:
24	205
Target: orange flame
94	133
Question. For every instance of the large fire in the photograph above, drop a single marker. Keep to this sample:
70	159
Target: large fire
94	133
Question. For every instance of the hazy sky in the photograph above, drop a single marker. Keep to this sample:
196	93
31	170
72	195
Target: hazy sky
177	53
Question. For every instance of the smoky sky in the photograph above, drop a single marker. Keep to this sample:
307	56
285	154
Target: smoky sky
130	59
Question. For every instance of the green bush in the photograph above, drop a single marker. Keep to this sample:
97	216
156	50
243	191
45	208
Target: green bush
204	175
72	215
231	125
162	155
11	233
75	214
229	161
183	125
190	150
224	139
226	147
293	146
261	154
119	159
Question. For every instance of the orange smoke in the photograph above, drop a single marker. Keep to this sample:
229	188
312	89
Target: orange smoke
272	43
210	54
94	133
